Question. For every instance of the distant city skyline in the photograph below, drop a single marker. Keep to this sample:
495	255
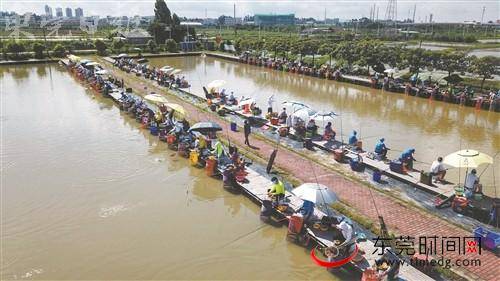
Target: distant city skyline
442	11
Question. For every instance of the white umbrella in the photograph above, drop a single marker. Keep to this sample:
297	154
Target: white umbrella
122	56
295	105
390	71
156	98
305	113
175	71
102	72
92	63
216	84
317	193
467	158
246	101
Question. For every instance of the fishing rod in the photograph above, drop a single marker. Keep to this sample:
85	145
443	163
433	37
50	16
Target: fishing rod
245	235
487	166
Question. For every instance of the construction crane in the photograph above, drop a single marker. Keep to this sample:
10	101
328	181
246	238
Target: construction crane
391	11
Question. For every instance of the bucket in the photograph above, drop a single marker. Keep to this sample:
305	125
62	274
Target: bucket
459	190
396	166
181	149
246	108
377	176
210	166
355	165
170	139
153	130
234	128
338	155
194	157
359	144
274	121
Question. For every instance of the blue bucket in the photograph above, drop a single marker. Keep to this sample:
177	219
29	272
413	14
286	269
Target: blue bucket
377	176
234	128
153	130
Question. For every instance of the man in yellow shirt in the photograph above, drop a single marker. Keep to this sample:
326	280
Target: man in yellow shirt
277	189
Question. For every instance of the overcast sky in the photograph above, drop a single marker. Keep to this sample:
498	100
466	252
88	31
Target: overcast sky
442	10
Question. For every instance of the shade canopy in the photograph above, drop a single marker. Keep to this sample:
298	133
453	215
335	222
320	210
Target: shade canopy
123	55
316	193
216	84
204	127
390	71
296	105
156	98
454	78
467	158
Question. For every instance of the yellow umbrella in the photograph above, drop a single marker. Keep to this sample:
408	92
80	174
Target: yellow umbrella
178	109
467	158
156	98
74	58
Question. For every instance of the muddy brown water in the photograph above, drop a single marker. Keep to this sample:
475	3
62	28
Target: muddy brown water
433	128
86	194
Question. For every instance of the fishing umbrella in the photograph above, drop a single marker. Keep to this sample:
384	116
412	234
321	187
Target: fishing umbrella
378	67
305	113
85	61
102	72
467	158
205	127
324	114
317	193
454	78
122	56
390	71
295	105
175	71
178	109
216	84
248	101
92	63
156	98
74	58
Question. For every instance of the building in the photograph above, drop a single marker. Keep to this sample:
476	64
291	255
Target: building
69	13
261	19
230	21
135	37
78	12
59	12
48	11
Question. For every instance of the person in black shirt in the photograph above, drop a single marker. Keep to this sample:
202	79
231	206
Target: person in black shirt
246	130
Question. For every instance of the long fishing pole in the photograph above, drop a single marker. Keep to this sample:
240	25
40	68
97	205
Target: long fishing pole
245	235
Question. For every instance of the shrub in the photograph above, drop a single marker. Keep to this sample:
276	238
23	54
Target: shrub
171	46
100	47
58	50
38	48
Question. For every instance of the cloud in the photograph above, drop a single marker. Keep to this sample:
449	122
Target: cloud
443	11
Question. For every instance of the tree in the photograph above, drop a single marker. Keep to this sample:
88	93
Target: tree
171	46
152	46
175	20
326	49
15	48
346	53
162	13
117	45
485	67
450	61
100	47
416	59
38	48
58	50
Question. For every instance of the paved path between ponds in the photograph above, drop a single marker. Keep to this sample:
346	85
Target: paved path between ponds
401	219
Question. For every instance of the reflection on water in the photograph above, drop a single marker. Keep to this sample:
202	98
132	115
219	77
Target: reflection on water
89	195
432	128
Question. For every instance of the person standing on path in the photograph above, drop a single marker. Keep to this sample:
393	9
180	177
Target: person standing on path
247	131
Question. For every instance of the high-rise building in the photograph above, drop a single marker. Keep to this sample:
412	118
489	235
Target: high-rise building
69	13
78	12
48	11
59	12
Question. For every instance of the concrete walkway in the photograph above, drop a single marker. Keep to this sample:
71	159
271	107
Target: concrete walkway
401	219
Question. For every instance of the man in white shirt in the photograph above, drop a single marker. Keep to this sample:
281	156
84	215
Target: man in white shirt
438	170
270	102
472	182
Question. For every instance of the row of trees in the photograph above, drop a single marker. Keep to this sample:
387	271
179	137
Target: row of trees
372	54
